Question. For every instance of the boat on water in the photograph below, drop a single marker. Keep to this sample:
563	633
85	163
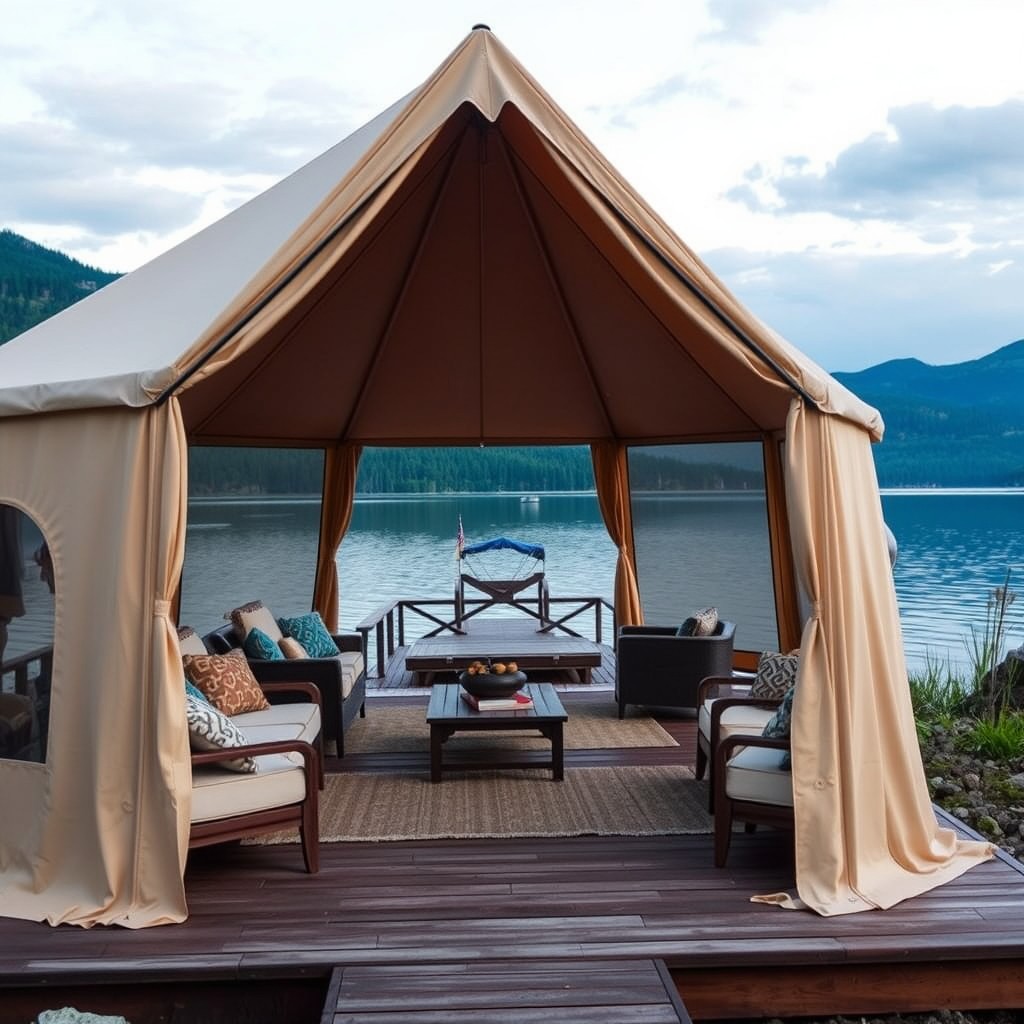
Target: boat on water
530	499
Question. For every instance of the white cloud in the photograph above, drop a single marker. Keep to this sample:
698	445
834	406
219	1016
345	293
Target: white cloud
848	131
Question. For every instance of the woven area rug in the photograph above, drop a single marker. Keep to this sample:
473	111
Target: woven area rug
619	801
391	730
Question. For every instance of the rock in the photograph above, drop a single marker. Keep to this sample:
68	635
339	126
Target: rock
941	788
962	813
971	780
989	826
1017	780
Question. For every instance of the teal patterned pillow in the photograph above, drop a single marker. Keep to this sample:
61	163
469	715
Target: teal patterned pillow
311	632
259	646
194	692
777	727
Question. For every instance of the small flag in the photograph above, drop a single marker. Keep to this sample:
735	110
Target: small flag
460	541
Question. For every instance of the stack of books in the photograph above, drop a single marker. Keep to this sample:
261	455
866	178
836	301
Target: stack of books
517	702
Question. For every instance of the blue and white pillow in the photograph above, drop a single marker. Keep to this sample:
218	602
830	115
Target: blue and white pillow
311	632
259	646
208	729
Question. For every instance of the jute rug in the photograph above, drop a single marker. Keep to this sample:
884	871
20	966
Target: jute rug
618	801
590	727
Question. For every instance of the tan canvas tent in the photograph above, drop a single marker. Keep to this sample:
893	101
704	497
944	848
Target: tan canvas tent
390	292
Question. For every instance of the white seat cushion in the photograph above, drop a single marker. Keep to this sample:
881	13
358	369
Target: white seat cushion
216	793
299	721
739	719
352	666
754	774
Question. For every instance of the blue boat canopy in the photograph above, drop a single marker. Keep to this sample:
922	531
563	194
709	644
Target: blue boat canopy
534	550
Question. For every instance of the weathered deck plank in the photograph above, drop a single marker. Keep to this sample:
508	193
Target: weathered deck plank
256	915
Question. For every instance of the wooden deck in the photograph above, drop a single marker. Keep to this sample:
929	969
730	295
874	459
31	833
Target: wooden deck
264	939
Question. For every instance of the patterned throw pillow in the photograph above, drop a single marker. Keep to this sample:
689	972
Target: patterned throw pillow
311	632
254	615
227	681
189	641
291	648
208	729
688	627
707	620
777	727
776	673
258	645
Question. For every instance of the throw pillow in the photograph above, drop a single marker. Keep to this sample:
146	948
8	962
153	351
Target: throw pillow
227	681
189	641
776	673
259	646
707	620
194	692
291	648
311	632
254	615
777	727
688	627
208	729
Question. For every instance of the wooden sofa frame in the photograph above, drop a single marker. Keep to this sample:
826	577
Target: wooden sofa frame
305	814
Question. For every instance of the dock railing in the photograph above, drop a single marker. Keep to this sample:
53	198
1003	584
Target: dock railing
395	624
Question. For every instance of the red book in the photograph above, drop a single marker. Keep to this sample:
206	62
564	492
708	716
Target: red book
517	702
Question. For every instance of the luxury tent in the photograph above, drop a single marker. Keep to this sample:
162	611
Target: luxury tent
389	293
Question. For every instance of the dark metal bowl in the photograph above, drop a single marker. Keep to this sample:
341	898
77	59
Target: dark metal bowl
486	684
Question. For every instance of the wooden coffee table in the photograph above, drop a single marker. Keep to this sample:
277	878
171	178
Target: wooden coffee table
448	713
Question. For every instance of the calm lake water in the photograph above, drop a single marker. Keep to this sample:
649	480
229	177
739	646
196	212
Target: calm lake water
693	550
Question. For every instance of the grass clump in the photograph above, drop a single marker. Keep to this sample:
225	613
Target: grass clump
999	739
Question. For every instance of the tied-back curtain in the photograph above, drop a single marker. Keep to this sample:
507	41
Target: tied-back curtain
611	475
340	469
866	833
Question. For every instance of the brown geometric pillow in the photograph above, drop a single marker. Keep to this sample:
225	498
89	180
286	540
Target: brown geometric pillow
227	681
776	673
291	648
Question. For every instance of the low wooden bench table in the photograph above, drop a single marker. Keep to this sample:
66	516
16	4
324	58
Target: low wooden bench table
448	713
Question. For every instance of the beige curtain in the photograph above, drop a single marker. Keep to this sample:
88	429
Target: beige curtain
340	470
611	475
866	834
98	835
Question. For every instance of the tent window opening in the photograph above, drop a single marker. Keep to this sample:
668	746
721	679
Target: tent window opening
252	532
700	528
27	588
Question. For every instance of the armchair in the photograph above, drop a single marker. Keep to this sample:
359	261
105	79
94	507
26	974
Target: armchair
753	784
725	709
657	667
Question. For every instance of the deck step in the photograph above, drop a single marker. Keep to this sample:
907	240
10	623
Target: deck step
505	992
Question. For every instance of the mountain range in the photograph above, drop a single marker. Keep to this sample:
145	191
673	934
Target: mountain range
958	425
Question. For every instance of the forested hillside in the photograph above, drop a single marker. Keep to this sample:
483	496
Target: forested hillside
960	425
36	282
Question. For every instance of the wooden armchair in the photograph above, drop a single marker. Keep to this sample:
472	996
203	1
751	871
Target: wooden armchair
229	805
658	668
752	784
725	709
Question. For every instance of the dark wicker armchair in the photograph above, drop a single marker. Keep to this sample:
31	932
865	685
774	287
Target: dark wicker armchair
340	709
658	668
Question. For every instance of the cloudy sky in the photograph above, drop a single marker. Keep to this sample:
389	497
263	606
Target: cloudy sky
853	169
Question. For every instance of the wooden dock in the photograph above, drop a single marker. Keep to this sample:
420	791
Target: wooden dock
264	939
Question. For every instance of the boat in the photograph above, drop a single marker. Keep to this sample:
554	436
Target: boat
529	499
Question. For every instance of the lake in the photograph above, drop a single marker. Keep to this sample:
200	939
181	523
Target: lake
692	550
